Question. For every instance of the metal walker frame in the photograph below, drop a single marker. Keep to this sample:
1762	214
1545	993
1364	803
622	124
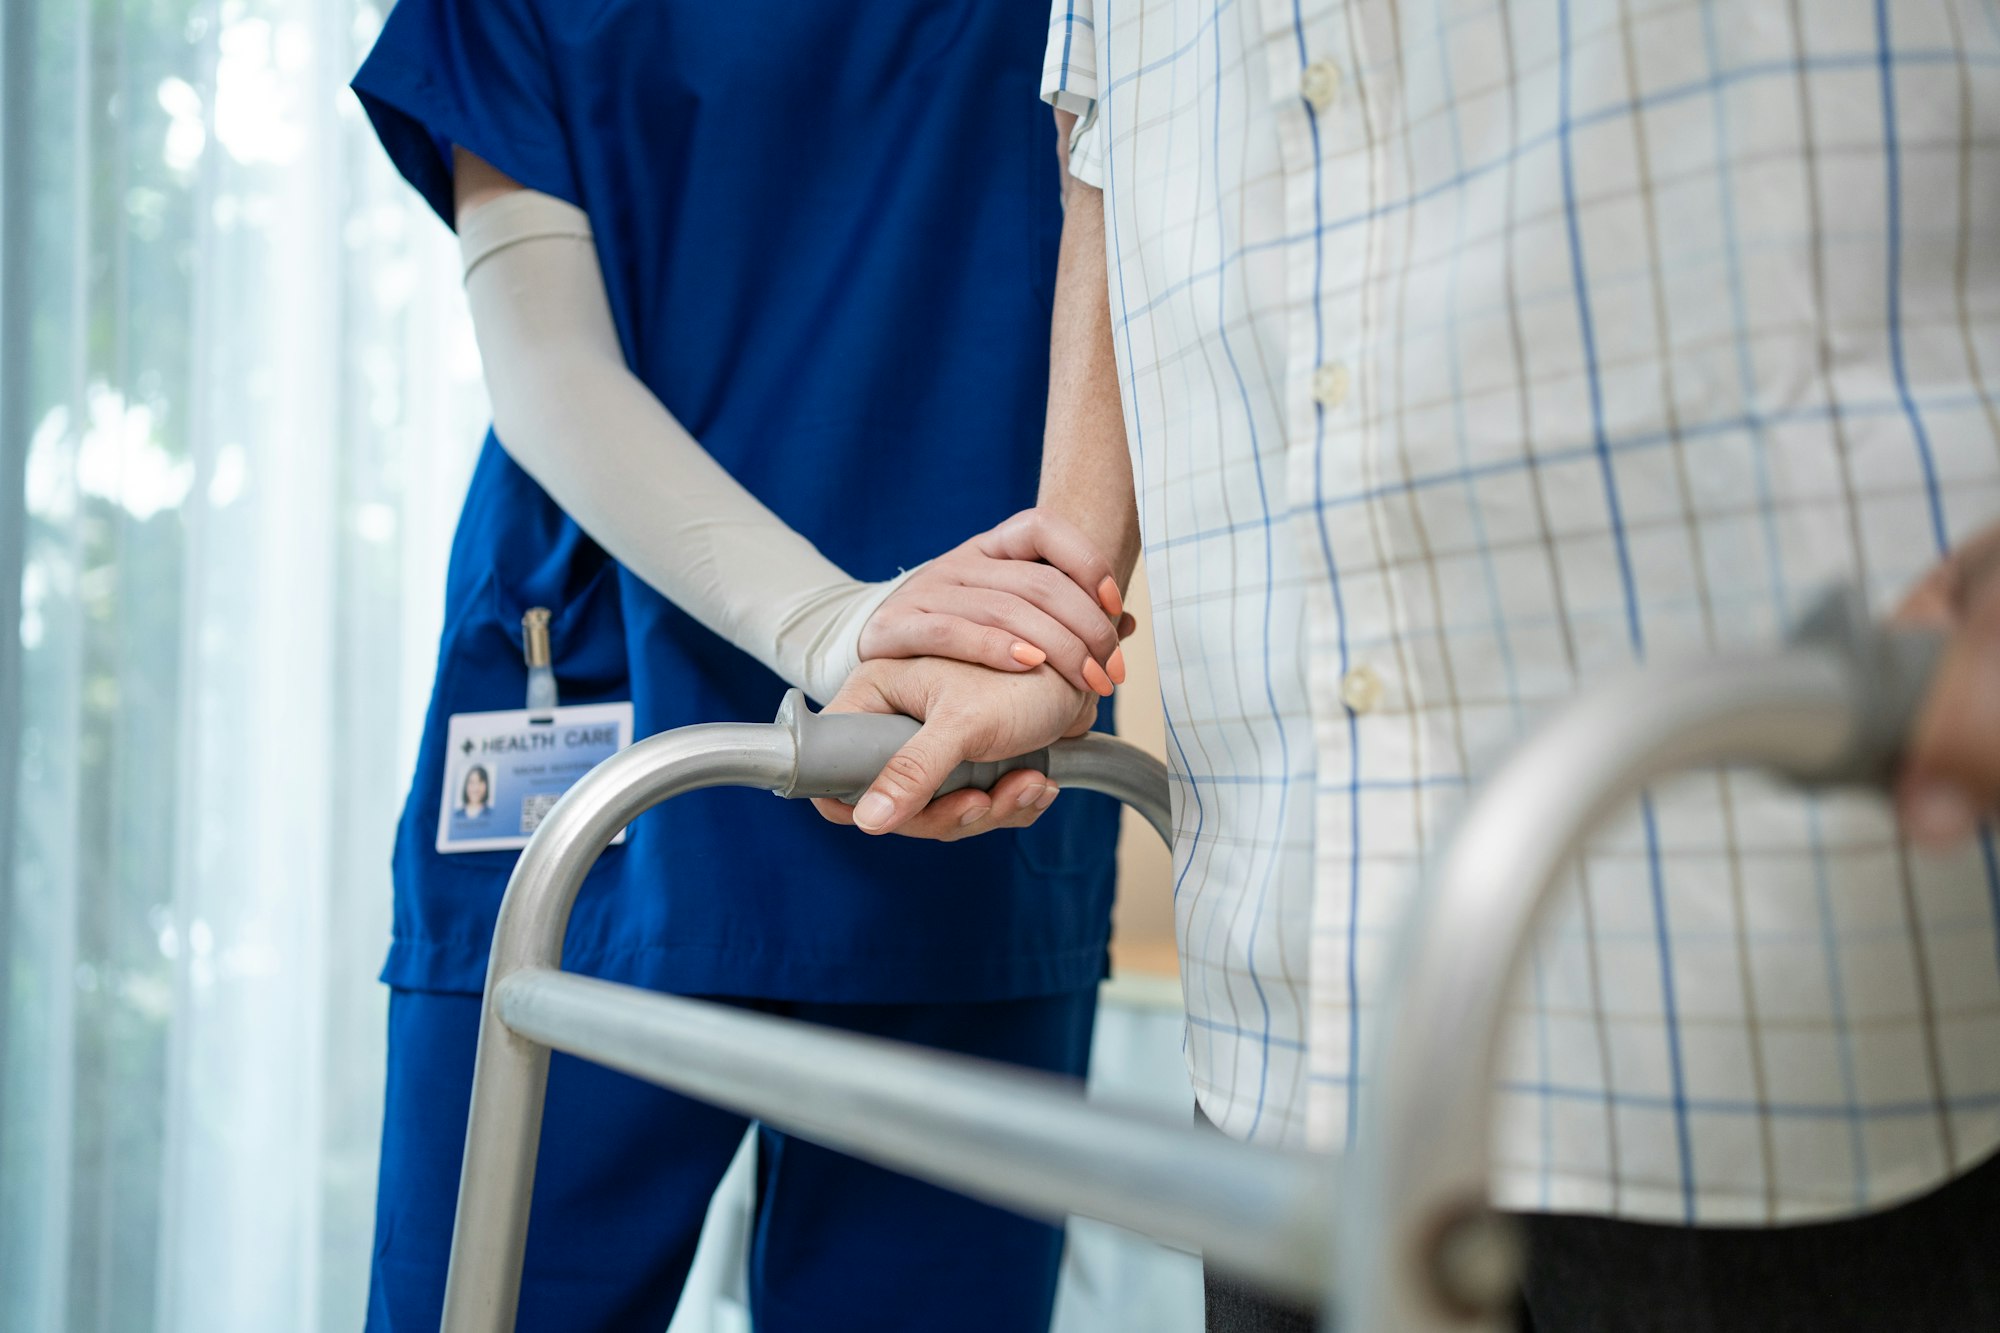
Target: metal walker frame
1419	1247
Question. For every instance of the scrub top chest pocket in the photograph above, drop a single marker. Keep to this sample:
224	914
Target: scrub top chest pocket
505	770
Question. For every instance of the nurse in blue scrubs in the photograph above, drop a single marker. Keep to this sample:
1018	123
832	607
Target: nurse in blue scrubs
827	236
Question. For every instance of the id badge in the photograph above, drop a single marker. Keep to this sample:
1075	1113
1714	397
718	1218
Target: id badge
505	770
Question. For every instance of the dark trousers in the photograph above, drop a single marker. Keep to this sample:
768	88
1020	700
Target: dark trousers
1928	1266
1231	1306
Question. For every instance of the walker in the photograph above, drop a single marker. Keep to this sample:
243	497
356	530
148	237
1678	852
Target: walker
1397	1236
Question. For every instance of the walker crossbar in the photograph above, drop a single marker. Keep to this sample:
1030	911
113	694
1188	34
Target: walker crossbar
1419	1248
1023	1140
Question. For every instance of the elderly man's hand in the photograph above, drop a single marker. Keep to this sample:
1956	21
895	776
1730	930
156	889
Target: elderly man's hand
968	712
1952	777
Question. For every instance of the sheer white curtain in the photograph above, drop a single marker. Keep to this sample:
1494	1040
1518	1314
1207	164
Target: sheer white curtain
244	401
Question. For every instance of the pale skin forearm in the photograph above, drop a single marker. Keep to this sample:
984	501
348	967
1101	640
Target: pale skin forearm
1086	468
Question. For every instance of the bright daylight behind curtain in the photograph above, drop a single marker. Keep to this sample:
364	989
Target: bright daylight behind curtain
238	393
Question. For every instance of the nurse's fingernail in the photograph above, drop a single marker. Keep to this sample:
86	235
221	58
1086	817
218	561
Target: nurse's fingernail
1115	664
1029	795
874	811
1108	598
1048	798
1939	814
1028	655
1093	676
972	816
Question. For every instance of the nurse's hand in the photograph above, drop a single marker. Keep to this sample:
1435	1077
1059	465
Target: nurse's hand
1951	777
1032	591
968	712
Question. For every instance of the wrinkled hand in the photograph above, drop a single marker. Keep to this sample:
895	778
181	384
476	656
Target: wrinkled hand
993	601
1951	777
968	712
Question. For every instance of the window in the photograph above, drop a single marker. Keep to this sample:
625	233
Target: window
238	404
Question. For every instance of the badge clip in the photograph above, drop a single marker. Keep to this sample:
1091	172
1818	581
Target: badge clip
535	648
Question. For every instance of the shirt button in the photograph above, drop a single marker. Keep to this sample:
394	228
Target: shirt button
1330	384
1361	689
1319	83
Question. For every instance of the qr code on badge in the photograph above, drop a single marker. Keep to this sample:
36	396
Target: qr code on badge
533	808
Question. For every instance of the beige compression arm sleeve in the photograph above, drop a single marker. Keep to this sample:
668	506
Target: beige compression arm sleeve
570	412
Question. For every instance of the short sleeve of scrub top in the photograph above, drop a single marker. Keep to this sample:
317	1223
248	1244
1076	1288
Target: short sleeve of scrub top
474	73
828	234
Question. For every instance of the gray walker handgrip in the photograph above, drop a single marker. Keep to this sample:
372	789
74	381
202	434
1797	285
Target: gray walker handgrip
1891	670
840	754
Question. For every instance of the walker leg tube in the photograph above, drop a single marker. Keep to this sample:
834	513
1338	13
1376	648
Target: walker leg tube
1419	1247
490	1232
510	1075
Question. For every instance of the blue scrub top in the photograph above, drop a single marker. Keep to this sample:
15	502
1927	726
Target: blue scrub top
829	235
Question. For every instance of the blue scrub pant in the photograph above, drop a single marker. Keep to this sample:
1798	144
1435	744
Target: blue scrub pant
626	1171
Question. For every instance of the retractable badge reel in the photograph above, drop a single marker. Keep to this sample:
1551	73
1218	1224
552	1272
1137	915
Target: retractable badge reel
505	770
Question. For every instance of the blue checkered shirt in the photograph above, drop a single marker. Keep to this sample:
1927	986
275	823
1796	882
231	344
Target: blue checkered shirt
1468	350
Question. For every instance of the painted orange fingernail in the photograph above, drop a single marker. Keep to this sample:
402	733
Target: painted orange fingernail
1028	655
1107	594
1093	676
1115	664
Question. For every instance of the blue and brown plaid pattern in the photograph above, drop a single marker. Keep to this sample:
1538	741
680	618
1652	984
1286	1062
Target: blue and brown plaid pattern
1467	350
